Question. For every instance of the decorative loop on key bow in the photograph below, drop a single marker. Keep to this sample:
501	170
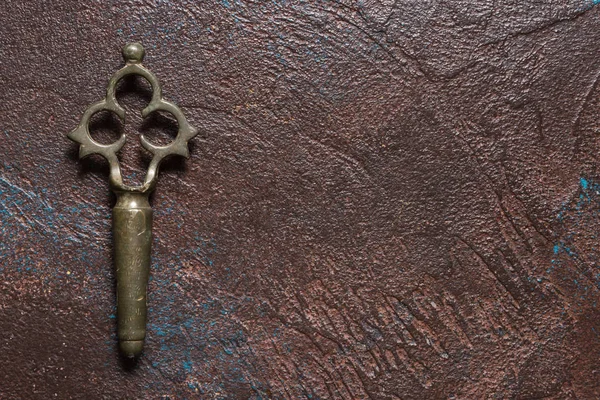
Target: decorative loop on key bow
133	54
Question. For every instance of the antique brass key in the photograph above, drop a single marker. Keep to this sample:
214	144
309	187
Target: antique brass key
132	215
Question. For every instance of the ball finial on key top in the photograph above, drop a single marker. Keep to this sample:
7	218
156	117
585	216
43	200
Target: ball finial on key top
133	53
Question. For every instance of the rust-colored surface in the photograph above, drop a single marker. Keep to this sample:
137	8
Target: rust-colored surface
392	200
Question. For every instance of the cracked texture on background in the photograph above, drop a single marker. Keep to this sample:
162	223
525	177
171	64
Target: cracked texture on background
392	200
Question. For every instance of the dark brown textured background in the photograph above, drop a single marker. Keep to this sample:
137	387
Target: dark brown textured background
389	200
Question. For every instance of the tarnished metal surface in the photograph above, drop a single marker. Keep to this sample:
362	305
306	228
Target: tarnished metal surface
132	215
132	236
397	200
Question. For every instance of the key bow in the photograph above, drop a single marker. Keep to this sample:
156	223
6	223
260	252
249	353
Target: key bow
133	54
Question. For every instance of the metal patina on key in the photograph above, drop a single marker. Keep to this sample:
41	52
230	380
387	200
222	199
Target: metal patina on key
132	215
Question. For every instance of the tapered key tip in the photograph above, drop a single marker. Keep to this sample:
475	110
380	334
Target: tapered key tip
131	348
134	53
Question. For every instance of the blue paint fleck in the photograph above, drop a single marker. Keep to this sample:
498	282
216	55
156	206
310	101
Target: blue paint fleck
187	366
575	216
